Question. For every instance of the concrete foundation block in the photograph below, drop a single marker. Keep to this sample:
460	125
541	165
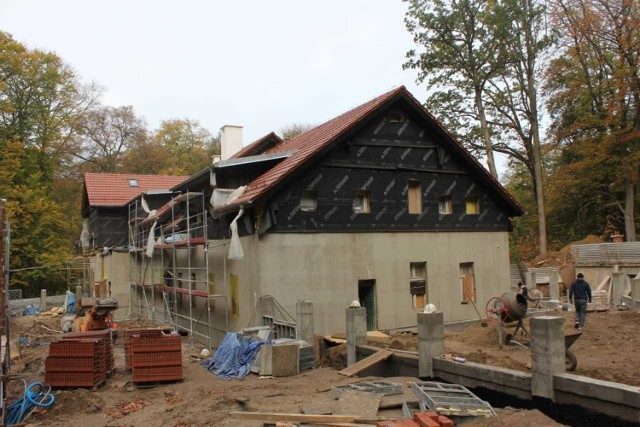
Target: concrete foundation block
547	354
430	341
356	331
304	320
279	360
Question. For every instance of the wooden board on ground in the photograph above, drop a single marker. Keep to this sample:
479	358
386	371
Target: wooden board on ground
358	403
304	418
325	408
396	400
365	363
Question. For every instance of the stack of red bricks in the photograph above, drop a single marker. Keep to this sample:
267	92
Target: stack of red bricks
153	356
107	342
76	363
420	419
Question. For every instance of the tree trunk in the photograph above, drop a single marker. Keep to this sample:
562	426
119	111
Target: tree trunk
629	200
486	138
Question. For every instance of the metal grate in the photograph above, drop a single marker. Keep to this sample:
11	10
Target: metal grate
15	294
383	387
451	399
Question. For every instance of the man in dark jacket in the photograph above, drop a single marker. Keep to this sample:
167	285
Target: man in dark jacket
580	292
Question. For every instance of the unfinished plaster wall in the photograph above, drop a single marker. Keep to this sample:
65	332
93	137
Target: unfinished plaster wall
114	268
326	269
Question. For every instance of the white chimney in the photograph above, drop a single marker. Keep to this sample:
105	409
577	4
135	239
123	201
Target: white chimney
230	140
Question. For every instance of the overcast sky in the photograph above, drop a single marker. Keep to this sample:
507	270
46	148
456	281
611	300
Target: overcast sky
259	64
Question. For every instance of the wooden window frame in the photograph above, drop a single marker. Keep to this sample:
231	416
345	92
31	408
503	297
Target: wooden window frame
467	283
365	206
418	272
472	205
446	201
414	193
312	197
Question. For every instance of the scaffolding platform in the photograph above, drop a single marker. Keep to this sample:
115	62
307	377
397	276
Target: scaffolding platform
451	400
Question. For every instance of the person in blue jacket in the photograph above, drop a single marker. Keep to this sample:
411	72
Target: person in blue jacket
579	294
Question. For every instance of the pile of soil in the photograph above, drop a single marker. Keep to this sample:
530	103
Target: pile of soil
509	417
335	357
602	349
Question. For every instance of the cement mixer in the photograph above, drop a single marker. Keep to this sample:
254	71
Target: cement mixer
509	308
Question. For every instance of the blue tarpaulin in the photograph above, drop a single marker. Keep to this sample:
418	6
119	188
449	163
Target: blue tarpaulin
71	303
30	310
234	356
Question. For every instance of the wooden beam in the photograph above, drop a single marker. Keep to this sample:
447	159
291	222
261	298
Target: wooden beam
365	363
305	418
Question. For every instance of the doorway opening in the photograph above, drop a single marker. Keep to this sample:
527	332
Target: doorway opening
367	297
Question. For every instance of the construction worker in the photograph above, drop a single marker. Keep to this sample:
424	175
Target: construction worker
523	290
580	292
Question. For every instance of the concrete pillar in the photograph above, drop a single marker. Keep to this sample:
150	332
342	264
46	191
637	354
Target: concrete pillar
266	308
356	331
430	341
78	296
304	319
635	292
43	300
618	283
554	286
530	277
547	354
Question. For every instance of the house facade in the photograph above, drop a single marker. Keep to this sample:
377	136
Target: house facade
105	234
380	204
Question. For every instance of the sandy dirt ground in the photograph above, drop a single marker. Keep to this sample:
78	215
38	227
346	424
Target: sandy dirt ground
603	349
201	399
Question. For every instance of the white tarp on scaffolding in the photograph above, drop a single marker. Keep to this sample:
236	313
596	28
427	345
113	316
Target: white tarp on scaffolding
235	248
222	196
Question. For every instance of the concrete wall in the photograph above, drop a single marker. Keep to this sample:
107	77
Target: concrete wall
114	268
325	268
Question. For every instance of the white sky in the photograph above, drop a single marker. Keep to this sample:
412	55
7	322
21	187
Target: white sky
259	64
255	63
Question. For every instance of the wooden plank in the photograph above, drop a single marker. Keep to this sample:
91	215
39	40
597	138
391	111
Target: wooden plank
304	418
365	363
603	283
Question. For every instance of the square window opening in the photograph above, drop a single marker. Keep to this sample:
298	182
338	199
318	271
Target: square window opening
133	182
473	205
415	197
308	201
361	202
418	284
445	206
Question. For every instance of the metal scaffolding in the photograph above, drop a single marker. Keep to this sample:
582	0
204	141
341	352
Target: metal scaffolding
169	264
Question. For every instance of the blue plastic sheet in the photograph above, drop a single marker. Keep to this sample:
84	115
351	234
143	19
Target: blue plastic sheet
71	303
234	356
30	310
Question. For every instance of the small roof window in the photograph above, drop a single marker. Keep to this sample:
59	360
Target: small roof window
133	182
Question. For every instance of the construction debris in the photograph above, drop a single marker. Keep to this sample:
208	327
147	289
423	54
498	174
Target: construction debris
383	387
451	399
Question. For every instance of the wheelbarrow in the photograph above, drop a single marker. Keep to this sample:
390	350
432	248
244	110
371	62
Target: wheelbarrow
510	310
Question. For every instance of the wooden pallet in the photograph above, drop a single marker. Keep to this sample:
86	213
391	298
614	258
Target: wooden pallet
601	296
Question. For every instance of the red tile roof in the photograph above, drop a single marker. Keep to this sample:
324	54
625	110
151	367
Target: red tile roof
113	189
308	144
312	142
255	148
